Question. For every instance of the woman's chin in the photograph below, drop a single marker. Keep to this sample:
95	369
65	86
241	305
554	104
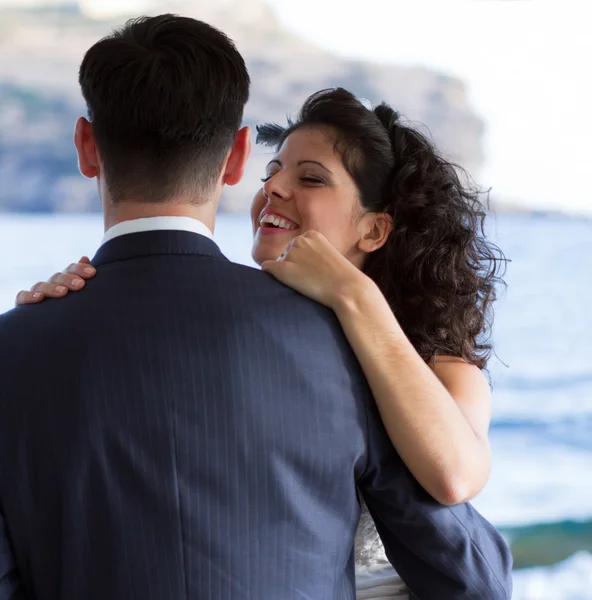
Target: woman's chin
269	247
260	253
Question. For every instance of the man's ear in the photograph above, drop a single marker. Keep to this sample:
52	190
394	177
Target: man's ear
86	148
237	159
376	228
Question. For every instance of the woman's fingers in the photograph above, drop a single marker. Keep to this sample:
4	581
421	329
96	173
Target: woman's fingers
72	279
70	282
82	268
50	290
24	297
40	291
57	287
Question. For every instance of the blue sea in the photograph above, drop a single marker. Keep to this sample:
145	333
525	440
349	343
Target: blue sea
540	491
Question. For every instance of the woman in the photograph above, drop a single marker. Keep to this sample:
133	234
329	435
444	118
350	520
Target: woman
358	212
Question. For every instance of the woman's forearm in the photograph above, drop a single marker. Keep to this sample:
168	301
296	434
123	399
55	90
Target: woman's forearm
425	424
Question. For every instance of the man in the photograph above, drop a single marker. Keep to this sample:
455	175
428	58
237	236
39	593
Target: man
203	439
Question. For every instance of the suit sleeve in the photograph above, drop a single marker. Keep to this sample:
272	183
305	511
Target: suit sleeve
440	552
10	588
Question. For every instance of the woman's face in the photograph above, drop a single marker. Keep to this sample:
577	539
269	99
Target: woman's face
306	188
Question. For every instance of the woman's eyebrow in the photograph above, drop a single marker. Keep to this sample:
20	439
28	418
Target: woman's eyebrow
314	162
301	162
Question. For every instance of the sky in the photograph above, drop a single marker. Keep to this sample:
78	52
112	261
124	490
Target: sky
526	64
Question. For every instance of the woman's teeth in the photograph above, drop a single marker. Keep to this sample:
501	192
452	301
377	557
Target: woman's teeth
277	221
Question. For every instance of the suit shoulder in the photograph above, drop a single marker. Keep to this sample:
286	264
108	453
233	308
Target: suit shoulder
259	280
23	321
15	326
256	288
12	318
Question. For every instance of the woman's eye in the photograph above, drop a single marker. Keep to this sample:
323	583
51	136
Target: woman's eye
312	180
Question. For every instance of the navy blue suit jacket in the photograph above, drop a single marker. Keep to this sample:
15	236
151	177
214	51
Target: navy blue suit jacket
188	428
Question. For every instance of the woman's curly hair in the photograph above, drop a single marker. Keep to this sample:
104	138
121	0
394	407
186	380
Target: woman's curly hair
437	269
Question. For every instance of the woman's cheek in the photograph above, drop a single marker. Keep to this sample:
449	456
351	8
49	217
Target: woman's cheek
257	205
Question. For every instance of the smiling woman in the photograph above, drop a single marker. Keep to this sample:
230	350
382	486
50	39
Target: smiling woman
369	220
307	187
380	193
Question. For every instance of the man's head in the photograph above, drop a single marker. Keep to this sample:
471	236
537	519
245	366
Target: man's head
165	98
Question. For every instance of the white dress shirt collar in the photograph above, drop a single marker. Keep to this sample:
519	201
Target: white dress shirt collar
157	224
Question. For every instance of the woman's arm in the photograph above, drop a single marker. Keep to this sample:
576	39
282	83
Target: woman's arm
437	416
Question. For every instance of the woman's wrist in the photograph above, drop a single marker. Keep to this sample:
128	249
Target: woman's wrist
364	313
359	295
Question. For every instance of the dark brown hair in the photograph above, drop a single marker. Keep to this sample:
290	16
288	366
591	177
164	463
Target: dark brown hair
166	97
437	269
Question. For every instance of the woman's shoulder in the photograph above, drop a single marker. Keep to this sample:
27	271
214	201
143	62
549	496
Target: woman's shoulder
460	377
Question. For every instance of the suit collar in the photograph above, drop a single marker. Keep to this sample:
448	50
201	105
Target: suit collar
163	223
150	243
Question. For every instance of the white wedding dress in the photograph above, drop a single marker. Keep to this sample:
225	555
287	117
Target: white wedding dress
375	577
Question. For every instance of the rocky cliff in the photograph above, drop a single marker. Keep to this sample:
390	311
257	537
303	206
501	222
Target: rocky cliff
40	51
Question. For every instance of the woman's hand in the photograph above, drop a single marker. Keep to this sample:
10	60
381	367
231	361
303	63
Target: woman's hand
314	267
72	279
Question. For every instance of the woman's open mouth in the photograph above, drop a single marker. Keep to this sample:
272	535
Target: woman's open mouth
274	223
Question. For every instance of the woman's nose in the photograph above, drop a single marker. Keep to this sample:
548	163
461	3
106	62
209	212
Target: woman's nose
277	187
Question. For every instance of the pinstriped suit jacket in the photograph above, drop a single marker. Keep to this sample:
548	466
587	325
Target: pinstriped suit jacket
186	428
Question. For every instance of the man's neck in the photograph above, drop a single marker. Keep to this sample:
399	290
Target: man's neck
128	211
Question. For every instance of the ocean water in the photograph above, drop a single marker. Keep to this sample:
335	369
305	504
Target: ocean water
540	491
